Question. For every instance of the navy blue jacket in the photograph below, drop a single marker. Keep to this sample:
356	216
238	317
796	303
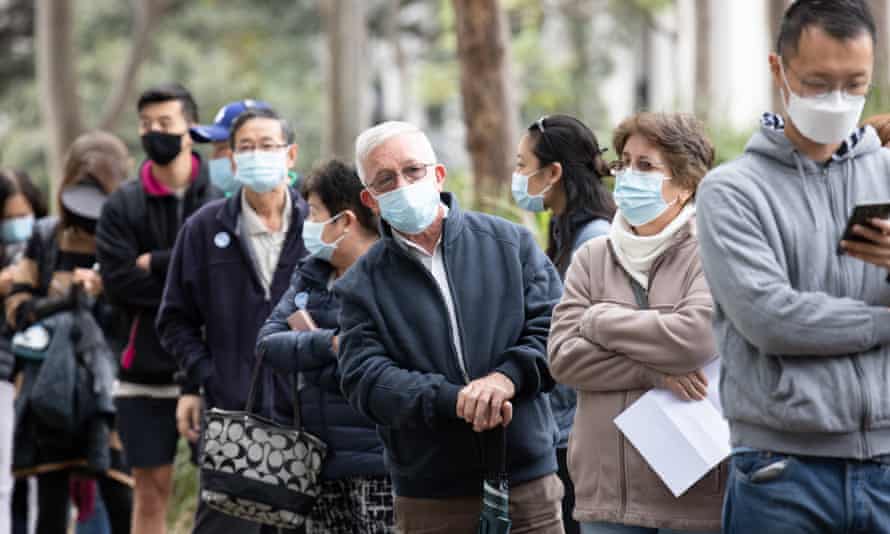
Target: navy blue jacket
399	366
214	306
353	446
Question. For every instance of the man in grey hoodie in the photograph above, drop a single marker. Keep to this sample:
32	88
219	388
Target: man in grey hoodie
803	329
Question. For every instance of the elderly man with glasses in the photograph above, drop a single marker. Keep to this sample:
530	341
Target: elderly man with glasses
231	264
443	345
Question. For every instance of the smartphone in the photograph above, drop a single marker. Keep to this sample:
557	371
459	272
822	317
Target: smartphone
301	321
862	215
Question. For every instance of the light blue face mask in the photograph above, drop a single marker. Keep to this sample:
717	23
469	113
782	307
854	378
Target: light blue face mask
17	229
313	241
221	175
638	196
411	209
524	200
261	171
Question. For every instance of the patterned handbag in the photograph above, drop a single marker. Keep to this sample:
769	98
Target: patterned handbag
257	470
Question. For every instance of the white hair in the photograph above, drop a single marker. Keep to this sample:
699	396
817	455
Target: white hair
375	136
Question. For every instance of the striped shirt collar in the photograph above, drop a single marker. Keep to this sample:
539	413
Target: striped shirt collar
776	122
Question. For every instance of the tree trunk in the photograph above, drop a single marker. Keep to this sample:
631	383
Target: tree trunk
345	22
482	37
57	82
703	47
145	16
775	12
880	9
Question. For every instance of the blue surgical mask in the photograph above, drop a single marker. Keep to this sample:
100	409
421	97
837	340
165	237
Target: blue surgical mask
221	175
638	195
524	200
314	243
411	209
261	171
16	229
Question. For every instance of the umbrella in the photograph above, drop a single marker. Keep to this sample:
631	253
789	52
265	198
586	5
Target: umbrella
495	518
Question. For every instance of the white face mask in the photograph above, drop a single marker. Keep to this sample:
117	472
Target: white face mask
826	119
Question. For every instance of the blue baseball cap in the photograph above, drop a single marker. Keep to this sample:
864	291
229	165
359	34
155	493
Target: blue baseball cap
219	130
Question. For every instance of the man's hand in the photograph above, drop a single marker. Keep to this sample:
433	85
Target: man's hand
144	262
877	251
335	344
89	279
484	402
693	386
188	417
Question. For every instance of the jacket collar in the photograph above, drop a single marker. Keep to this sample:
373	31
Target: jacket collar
450	227
230	215
153	188
315	270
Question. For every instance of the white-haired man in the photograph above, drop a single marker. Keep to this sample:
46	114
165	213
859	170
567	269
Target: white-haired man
443	342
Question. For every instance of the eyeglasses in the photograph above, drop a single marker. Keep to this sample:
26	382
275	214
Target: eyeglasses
822	88
617	167
388	180
262	147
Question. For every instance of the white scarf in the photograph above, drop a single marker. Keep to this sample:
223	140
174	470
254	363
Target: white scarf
637	253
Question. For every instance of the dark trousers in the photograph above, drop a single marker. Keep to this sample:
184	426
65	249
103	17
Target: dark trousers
534	509
54	502
770	492
568	502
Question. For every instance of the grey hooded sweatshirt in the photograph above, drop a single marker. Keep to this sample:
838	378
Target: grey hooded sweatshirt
804	333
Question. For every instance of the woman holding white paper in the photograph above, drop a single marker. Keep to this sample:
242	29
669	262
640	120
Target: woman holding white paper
636	315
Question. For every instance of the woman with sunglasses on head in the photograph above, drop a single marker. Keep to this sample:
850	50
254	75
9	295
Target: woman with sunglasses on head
636	315
560	167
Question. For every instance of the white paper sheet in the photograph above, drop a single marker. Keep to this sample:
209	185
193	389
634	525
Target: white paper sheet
681	440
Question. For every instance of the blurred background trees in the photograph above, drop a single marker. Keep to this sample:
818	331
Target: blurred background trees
473	73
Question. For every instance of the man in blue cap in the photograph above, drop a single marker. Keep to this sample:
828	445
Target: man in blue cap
220	163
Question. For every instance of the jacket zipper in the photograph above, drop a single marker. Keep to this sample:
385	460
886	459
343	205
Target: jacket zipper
866	408
857	367
461	363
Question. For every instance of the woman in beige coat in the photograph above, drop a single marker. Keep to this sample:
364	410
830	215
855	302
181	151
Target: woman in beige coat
636	315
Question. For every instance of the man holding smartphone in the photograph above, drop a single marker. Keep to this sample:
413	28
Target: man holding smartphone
804	333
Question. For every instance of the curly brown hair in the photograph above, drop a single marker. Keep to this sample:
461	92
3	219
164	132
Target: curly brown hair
881	123
680	138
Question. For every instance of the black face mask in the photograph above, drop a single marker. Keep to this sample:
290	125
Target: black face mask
160	147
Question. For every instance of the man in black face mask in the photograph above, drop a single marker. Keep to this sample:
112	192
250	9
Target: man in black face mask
134	238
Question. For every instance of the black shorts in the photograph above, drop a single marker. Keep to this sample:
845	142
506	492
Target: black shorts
147	427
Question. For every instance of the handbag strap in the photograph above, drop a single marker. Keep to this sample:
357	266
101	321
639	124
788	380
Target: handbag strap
254	381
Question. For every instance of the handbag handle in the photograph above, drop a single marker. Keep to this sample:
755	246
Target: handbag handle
254	380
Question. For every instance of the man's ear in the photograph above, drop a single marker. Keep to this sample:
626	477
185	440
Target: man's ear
441	174
369	201
292	152
775	68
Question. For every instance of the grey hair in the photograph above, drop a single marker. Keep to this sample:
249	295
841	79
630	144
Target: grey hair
375	136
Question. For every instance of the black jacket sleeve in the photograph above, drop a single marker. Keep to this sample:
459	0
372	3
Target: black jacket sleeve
180	320
117	252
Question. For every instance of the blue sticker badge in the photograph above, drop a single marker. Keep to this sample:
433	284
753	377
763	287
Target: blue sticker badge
301	299
222	240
